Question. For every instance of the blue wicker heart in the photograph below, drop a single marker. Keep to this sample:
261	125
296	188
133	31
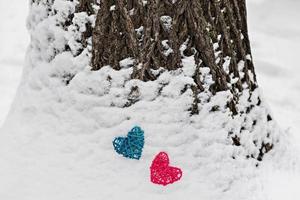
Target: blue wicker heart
132	145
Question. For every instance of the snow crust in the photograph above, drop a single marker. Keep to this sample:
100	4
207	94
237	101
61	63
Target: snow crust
57	140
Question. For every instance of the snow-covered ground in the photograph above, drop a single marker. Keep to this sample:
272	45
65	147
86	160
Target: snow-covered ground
14	40
275	35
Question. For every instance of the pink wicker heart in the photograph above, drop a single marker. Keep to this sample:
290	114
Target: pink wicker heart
162	173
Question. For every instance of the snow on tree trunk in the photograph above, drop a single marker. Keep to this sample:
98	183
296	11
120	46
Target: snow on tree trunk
160	35
182	70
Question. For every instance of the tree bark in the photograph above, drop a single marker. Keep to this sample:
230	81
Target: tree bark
214	31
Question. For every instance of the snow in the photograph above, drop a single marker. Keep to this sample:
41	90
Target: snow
63	151
167	22
275	36
14	40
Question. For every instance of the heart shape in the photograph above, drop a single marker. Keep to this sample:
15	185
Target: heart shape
162	173
132	145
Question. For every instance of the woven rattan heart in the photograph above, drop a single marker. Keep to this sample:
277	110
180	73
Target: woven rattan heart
162	173
132	145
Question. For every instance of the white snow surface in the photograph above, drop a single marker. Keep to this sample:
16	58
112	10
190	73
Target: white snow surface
57	140
14	40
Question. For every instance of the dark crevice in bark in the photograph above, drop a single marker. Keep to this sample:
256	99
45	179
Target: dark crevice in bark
85	6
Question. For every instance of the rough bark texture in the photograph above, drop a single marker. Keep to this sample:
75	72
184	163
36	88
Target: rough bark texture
199	22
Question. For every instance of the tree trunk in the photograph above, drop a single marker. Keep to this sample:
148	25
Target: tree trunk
158	34
153	34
